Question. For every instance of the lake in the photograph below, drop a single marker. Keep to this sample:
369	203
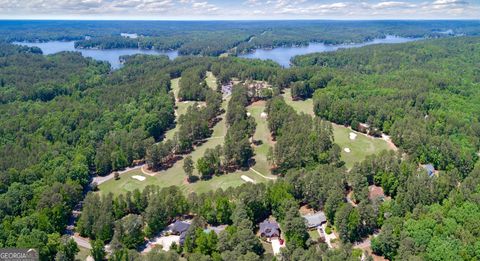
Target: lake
282	55
110	55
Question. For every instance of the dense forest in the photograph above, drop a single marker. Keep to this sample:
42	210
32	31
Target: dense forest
65	119
50	146
424	94
216	37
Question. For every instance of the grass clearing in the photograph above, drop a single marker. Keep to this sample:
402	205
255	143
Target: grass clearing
314	235
267	246
211	80
305	106
359	148
262	134
175	176
182	106
82	254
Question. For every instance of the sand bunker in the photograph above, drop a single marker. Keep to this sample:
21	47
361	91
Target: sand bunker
247	179
347	150
139	178
353	135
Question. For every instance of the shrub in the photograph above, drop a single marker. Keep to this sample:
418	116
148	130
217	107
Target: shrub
328	230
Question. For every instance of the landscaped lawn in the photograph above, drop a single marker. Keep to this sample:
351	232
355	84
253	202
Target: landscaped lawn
262	134
211	80
267	246
305	106
176	176
83	254
181	107
314	235
360	147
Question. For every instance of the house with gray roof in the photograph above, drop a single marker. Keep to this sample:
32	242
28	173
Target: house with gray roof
180	228
430	169
269	229
216	229
315	220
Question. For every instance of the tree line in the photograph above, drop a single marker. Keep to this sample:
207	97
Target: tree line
213	38
49	148
410	92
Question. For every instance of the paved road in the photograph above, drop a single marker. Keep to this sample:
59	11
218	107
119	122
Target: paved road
101	179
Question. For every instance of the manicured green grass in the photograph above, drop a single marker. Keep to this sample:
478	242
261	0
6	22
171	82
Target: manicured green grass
314	235
268	247
305	106
172	176
211	80
176	176
175	86
83	254
262	134
360	147
181	107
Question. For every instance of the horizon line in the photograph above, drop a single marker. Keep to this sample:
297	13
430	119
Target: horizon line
240	20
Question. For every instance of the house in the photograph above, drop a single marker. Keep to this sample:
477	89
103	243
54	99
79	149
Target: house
227	89
269	229
315	220
216	229
430	169
180	228
363	127
375	192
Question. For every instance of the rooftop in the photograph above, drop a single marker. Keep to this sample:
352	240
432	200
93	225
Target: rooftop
375	192
216	229
316	219
180	226
269	229
430	169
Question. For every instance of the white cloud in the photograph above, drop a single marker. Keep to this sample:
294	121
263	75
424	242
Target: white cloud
201	4
204	6
331	6
243	9
450	2
392	4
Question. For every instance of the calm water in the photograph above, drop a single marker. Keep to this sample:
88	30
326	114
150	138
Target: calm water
110	55
282	55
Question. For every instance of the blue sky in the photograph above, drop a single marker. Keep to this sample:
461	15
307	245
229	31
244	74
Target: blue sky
239	9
